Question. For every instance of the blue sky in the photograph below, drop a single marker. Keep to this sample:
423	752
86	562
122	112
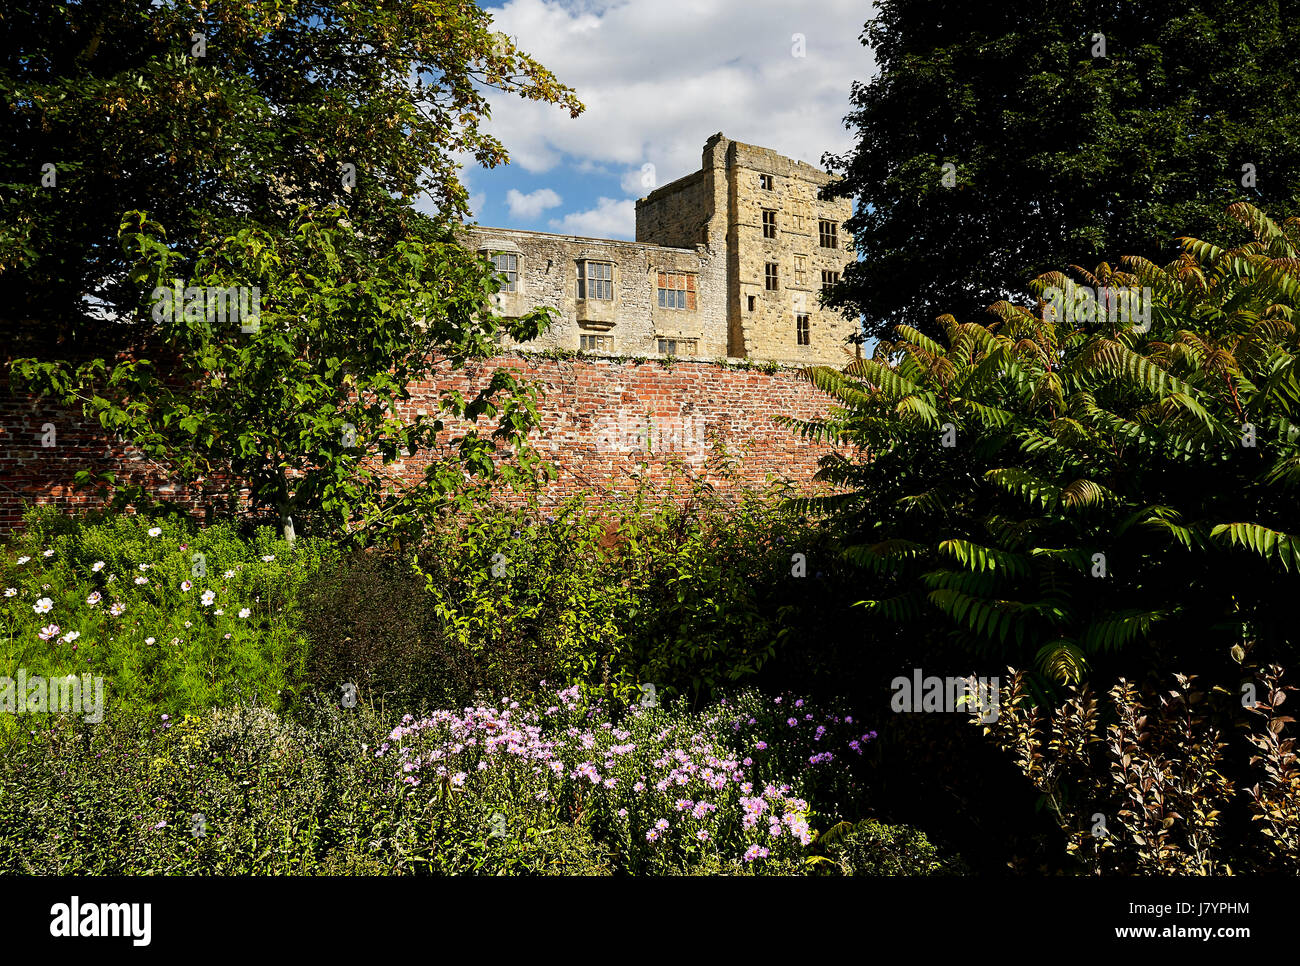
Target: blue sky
658	78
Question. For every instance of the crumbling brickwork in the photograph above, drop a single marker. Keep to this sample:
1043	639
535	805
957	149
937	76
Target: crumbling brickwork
606	423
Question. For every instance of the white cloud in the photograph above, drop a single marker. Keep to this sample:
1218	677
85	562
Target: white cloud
609	219
532	204
639	182
658	78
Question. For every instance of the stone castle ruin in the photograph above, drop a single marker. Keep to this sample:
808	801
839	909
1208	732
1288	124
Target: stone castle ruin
727	268
728	262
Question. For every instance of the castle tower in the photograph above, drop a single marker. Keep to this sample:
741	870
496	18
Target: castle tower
781	244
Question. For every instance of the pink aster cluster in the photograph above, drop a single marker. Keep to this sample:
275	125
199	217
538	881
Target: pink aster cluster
653	780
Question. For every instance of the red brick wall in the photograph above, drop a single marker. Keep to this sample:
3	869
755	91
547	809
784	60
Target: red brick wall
593	414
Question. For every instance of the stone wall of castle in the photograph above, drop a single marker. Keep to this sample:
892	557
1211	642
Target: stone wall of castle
748	232
631	321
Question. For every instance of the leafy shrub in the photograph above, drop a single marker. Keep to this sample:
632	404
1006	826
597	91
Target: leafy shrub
560	789
691	598
1082	491
873	848
722	589
1151	791
369	622
527	595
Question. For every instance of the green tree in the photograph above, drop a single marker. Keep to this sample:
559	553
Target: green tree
1073	130
271	153
305	403
223	115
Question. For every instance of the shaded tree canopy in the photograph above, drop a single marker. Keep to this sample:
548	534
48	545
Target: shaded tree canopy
219	116
1076	130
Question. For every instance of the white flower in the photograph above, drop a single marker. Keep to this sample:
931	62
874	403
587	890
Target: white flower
268	558
118	609
49	632
155	531
97	566
94	598
245	612
218	612
186	585
148	640
144	567
71	636
11	591
48	553
23	560
229	574
43	606
112	577
189	624
142	580
207	598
